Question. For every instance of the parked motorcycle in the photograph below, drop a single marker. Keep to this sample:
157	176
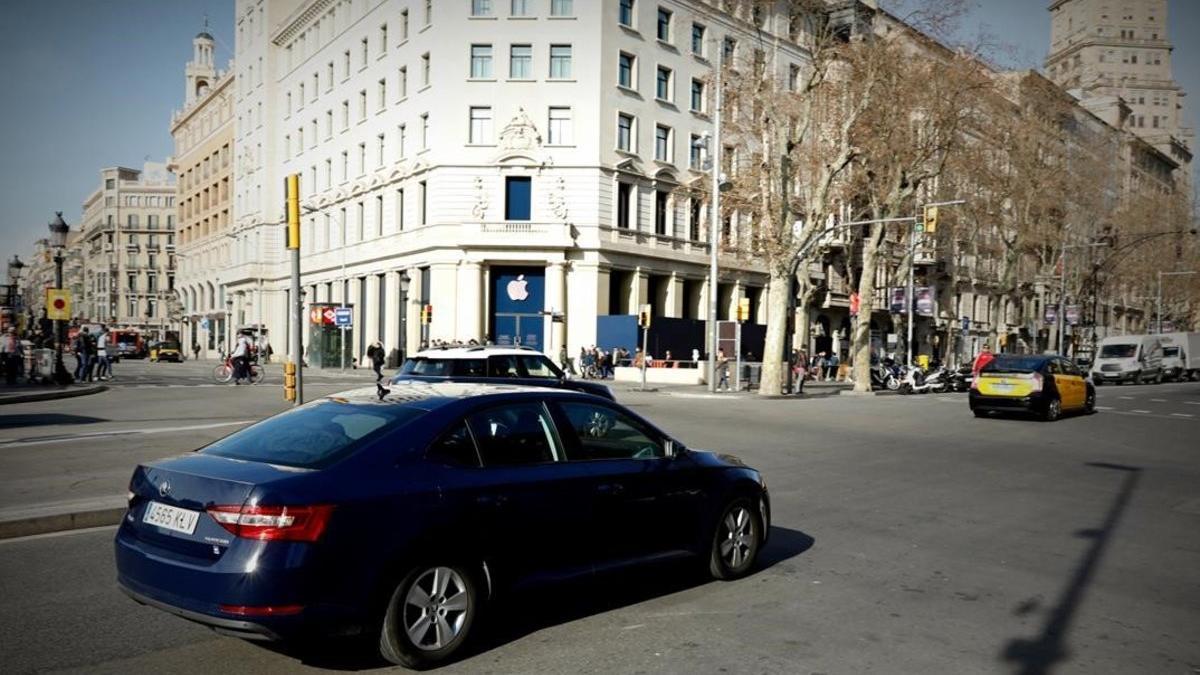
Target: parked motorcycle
960	380
884	376
915	381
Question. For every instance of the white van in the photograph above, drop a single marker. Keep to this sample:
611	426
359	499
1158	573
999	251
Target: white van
1128	358
1181	355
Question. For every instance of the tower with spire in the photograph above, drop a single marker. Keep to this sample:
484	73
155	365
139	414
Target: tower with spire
201	70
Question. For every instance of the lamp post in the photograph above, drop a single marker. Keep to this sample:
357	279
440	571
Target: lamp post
14	280
58	240
228	326
1158	296
405	283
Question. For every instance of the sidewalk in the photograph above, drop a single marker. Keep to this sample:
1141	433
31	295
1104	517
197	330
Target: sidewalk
811	390
27	393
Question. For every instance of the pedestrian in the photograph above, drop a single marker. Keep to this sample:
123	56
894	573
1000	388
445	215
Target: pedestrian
241	357
11	354
264	348
722	370
832	367
377	354
696	357
82	356
195	351
801	370
985	357
103	366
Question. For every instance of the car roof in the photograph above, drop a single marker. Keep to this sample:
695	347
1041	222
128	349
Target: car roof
425	395
473	352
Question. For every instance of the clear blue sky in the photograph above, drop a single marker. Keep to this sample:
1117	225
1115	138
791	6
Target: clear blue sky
92	83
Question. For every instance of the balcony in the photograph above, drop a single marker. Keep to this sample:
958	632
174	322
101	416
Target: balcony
662	242
517	234
132	248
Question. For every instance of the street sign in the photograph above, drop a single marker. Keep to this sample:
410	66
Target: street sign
58	304
204	323
966	323
343	316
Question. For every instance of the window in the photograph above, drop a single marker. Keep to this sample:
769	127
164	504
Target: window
379	223
360	217
728	48
402	82
697	96
345	115
151	283
599	432
362	53
151	306
560	62
481	126
382	91
662	84
481	7
403	25
110	183
400	209
559	127
402	140
345	165
425	131
362	105
794	76
287	105
328	124
661	201
698	39
422	199
132	282
624	203
455	447
625	132
481	61
662	143
696	152
664	24
380	143
520	62
383	39
562	8
519	8
329	76
627	70
538	366
625	13
517	197
519	433
362	158
131	307
428	12
694	220
425	69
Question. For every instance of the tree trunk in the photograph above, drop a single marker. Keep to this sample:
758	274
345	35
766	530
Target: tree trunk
771	383
860	347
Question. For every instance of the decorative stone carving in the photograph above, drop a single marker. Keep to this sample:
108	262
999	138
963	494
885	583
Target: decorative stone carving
558	199
520	133
481	200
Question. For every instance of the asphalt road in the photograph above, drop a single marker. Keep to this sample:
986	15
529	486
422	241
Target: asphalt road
911	538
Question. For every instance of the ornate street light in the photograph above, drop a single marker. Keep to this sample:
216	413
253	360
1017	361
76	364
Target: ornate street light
58	240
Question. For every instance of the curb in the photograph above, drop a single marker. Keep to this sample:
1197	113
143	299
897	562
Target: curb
851	392
58	522
52	395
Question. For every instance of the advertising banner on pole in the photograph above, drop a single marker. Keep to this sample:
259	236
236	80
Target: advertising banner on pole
896	304
1050	316
925	303
1072	314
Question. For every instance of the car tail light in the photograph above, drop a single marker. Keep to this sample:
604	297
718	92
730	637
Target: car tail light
273	523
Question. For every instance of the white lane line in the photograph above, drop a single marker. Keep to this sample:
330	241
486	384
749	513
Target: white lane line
1181	415
1103	407
1158	400
117	432
1191	402
1127	398
1144	415
1141	411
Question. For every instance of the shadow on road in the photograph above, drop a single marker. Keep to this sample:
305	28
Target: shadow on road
44	420
1035	656
525	613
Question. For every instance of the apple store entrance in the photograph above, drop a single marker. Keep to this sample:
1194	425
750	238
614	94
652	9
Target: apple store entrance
518	296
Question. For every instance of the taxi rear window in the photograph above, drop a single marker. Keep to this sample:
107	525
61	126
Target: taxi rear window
1011	364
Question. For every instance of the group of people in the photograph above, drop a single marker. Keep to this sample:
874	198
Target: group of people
597	363
92	359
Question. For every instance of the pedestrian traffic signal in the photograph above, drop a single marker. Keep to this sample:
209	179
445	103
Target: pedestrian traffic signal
426	315
289	381
931	218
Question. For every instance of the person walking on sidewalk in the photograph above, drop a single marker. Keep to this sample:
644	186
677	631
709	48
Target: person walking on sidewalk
103	363
83	355
376	354
11	354
195	351
722	371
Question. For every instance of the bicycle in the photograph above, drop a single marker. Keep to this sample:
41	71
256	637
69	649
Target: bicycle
223	372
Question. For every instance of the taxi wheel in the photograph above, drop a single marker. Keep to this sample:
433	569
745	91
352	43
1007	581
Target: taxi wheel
1053	410
1089	403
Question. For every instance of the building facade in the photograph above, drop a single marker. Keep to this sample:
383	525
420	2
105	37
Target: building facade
1120	49
203	165
531	171
126	244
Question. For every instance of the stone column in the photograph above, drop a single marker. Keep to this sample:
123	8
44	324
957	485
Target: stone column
675	296
639	290
469	323
556	302
444	298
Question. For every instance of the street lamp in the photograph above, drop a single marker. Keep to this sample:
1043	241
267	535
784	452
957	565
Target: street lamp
58	240
228	326
1158	297
405	283
14	279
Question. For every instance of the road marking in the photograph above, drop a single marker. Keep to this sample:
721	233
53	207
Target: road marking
1141	411
116	432
1127	398
1103	407
1137	413
55	535
1158	400
1181	415
1192	402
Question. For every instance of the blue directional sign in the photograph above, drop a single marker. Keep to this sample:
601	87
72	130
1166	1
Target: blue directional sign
343	316
966	323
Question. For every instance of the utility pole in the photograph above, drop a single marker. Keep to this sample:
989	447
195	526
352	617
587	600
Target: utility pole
919	221
714	224
293	370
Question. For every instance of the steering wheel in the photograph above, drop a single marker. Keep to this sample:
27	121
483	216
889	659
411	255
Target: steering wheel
647	452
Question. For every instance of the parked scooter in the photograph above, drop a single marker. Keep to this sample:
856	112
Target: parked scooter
960	380
915	381
884	376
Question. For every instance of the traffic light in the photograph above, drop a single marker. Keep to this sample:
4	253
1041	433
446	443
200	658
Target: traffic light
292	194
743	309
426	315
931	218
644	317
289	381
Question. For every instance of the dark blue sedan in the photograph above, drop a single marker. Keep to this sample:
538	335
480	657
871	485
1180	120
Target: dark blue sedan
401	511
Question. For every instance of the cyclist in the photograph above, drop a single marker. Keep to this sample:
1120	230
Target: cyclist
241	357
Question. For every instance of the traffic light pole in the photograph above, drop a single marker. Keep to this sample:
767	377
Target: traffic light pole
296	365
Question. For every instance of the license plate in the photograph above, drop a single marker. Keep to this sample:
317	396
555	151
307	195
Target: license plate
1001	388
171	517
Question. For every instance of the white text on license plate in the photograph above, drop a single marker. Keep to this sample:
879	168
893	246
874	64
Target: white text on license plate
171	517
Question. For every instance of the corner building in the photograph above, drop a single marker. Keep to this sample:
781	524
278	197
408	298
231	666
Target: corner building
531	170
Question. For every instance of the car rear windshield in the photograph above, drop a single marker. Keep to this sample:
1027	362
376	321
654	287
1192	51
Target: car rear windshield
1118	351
434	367
1014	364
313	436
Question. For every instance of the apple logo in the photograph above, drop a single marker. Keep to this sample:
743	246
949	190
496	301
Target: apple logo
517	290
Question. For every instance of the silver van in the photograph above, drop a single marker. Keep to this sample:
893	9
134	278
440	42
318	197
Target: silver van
1128	358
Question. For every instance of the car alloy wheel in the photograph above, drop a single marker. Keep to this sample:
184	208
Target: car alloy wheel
429	616
1089	404
736	541
1053	410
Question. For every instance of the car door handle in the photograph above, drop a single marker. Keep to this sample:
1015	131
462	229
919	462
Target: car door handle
610	489
491	500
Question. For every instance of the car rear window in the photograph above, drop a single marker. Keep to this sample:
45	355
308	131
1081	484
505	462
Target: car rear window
444	367
1014	364
312	436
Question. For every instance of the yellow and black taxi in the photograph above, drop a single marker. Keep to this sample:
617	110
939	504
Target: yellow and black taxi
1046	386
167	350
